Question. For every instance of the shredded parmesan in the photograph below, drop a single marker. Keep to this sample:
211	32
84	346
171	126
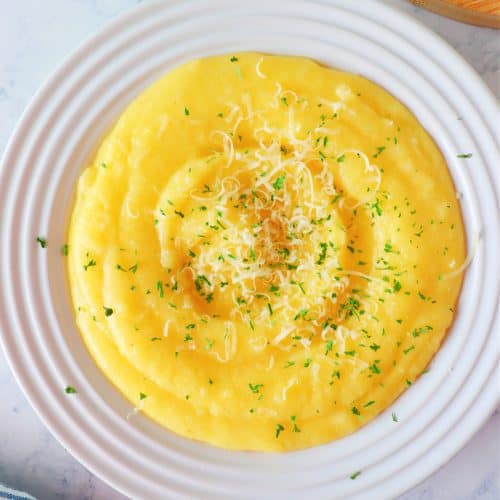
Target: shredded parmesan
470	256
272	233
165	327
293	381
257	69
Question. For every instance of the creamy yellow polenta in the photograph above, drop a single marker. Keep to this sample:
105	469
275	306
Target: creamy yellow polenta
264	252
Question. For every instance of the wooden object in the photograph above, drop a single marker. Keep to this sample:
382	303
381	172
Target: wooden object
479	12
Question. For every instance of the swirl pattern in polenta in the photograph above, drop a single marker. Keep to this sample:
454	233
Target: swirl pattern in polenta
265	252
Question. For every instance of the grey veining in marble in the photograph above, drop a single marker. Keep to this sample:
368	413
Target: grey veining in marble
35	35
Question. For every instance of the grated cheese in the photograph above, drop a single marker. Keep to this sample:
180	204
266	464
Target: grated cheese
468	259
257	69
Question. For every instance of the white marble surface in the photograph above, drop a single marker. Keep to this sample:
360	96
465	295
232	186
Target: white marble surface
35	35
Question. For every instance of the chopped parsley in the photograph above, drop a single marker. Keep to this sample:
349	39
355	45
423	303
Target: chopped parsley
329	346
420	331
301	314
406	351
255	388
279	182
322	254
42	241
69	390
376	206
107	311
279	429
90	263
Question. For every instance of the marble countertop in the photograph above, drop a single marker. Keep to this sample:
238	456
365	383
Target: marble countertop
35	36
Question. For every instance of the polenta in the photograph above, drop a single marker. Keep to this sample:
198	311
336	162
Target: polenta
265	253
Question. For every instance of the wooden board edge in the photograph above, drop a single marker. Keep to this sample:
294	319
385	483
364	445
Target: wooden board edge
461	14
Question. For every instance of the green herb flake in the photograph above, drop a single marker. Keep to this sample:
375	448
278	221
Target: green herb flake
90	263
376	207
69	390
186	111
279	182
234	59
42	241
279	429
107	311
65	249
301	314
394	417
270	309
255	388
322	254
406	351
142	396
465	155
355	475
329	346
335	199
422	330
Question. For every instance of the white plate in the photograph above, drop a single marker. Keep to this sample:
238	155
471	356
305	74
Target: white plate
59	132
